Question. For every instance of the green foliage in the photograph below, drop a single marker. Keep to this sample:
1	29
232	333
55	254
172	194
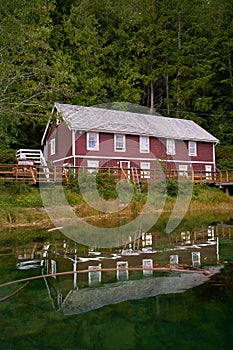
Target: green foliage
172	56
7	155
224	157
172	188
106	186
207	194
19	194
103	182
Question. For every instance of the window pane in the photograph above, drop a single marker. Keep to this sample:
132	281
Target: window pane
52	147
119	142
92	166
192	148
92	141
171	147
144	144
145	172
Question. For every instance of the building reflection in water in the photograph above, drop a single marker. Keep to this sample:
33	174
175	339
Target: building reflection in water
152	265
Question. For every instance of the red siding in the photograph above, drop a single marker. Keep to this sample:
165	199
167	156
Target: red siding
107	156
63	141
204	152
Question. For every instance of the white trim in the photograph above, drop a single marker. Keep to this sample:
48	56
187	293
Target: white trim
141	150
46	128
96	148
136	159
115	143
73	142
214	145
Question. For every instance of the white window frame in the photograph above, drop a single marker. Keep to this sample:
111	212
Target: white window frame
96	147
145	169
52	146
147	264
183	170
94	277
122	270
196	259
92	166
144	144
171	147
192	148
116	148
208	170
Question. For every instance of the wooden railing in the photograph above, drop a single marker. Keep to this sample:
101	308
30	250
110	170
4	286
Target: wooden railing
38	173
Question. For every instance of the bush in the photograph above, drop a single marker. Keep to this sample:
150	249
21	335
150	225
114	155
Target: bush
105	184
13	188
7	155
224	157
172	188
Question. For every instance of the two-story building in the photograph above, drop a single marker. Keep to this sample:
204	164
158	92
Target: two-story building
96	137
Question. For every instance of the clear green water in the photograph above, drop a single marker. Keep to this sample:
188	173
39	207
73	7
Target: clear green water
198	318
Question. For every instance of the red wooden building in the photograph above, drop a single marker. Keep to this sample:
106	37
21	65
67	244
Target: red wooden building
95	137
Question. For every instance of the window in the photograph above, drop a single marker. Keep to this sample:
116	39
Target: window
94	277
119	143
147	264
174	260
92	166
145	172
183	170
144	144
93	141
52	147
122	272
196	259
171	149
208	169
192	148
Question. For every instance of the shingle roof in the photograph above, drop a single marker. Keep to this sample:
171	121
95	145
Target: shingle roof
114	121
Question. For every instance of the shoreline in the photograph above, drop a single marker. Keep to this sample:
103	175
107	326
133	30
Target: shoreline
37	217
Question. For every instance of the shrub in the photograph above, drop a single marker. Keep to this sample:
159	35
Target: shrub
106	186
172	188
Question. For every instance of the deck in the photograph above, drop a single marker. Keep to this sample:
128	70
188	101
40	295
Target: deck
34	174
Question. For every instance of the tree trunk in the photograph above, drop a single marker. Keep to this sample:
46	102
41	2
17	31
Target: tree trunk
152	97
178	73
167	90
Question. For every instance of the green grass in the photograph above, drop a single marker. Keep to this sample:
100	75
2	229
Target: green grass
22	203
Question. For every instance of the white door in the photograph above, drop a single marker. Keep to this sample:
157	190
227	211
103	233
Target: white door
125	165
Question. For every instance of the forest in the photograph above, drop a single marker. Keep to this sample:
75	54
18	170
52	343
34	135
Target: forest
172	56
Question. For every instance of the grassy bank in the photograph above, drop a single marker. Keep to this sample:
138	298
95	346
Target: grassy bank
21	204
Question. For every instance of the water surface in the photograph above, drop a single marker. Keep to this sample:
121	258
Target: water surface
179	306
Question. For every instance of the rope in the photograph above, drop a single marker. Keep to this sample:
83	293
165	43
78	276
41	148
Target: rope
14	293
205	272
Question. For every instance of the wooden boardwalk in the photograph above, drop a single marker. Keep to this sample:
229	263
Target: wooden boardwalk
34	174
